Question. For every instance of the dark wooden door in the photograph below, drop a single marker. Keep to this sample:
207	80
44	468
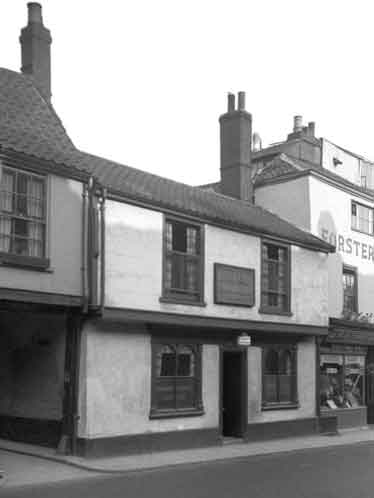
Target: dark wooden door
232	394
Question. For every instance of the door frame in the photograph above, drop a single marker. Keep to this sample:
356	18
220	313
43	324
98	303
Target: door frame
244	387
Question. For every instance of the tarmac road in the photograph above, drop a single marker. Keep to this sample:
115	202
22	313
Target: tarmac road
339	472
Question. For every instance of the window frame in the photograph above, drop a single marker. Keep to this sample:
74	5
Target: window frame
294	402
264	308
20	260
197	409
167	295
355	229
352	270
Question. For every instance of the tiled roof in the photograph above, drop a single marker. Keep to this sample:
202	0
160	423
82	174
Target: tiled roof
285	164
29	125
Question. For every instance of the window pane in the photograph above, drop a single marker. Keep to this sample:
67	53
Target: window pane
6	192
168	365
285	388
270	391
331	375
179	242
5	233
185	392
165	393
354	381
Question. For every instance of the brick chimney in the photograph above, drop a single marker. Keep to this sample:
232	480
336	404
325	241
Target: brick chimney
236	133
36	50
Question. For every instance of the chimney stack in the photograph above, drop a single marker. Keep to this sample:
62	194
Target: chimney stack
36	50
236	135
312	129
297	124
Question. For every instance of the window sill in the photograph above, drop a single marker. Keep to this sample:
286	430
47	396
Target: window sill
158	414
176	300
280	406
361	231
24	262
269	311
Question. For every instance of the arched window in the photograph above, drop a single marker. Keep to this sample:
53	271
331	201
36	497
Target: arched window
279	380
176	379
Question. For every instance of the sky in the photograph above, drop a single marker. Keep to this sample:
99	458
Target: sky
143	82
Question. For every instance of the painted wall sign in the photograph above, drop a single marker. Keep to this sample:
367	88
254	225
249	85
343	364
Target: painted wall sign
349	245
234	285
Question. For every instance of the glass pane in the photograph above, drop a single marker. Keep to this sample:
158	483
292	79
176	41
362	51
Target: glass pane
185	392
6	192
354	381
271	362
270	388
331	378
168	365
179	239
285	388
165	393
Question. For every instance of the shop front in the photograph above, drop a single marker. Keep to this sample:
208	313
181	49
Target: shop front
346	376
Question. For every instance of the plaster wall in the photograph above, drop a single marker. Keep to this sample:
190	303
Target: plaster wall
306	364
331	220
115	390
64	238
290	200
350	164
134	269
32	358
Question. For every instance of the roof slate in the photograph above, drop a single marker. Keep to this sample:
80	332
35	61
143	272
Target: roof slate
28	124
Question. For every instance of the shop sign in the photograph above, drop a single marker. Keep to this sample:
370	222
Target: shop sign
348	245
234	285
351	336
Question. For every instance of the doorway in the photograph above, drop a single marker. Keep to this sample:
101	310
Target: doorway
234	393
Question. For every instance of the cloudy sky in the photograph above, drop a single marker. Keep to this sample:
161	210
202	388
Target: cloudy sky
143	82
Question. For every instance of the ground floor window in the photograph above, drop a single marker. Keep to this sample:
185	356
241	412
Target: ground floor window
279	379
176	379
342	381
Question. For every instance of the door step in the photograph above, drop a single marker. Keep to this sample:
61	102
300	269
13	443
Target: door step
232	440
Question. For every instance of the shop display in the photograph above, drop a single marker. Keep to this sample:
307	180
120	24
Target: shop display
342	381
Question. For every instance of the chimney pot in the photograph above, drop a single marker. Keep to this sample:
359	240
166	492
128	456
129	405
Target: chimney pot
230	102
297	123
311	129
241	101
35	12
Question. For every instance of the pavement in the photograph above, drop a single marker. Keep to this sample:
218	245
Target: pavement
24	464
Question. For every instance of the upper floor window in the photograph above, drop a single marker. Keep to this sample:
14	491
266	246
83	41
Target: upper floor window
362	218
22	213
275	278
176	379
279	379
366	174
349	290
183	261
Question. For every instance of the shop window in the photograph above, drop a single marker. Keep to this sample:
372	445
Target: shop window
176	380
362	218
342	381
279	379
275	279
22	215
349	290
183	262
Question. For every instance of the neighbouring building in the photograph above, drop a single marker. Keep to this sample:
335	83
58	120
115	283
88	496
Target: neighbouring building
326	190
141	313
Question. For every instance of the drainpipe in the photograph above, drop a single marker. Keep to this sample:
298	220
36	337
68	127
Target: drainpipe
84	248
102	227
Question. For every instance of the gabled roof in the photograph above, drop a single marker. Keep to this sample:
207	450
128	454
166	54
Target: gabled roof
30	126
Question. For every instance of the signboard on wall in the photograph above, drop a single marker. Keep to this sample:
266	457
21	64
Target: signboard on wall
234	285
